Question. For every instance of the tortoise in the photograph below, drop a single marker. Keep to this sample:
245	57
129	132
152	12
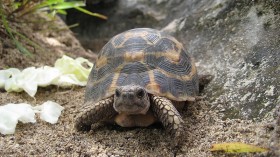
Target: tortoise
141	76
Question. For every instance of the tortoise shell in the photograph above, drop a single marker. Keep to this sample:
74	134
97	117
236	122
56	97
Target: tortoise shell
146	57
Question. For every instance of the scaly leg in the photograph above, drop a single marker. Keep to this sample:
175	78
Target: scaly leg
93	113
169	116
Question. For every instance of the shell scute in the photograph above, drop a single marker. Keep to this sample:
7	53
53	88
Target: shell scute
134	67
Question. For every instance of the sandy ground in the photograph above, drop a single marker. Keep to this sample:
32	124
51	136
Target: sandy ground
204	127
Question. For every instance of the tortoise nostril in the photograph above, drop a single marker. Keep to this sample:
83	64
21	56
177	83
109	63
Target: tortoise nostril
118	93
140	93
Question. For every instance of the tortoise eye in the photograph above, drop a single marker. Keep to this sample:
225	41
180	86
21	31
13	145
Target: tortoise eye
117	93
140	93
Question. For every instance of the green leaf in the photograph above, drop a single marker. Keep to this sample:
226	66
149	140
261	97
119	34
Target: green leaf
68	5
63	12
91	13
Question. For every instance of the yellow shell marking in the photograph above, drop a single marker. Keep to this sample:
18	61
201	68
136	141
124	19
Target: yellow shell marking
135	34
114	83
132	57
153	86
101	62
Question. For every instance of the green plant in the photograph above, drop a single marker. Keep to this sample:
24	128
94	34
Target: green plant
11	11
52	6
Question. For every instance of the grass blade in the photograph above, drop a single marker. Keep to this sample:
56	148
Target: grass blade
91	13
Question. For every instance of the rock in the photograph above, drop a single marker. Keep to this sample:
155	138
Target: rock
94	32
239	45
274	140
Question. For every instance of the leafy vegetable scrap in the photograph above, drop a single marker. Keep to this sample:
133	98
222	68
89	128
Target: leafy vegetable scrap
10	114
65	73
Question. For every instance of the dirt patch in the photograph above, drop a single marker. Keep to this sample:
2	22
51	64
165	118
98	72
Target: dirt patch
204	125
203	128
52	37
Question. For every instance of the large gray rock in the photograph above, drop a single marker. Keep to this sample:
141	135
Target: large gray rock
239	43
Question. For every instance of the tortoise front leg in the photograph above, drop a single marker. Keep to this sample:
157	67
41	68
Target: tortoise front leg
169	116
93	113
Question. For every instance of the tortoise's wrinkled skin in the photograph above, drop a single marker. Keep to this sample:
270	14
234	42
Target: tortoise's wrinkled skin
140	77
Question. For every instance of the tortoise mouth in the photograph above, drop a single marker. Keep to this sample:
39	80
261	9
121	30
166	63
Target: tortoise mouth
131	109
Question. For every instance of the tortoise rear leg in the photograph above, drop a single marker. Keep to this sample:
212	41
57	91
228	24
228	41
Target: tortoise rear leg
169	116
204	80
93	113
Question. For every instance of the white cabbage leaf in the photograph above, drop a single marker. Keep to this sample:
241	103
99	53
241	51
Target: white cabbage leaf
10	114
66	72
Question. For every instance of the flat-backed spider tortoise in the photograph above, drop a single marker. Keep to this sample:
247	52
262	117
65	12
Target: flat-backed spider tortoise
141	76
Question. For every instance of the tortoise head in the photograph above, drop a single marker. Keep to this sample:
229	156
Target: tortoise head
131	99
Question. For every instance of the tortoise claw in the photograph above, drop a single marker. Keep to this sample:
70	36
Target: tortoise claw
169	116
93	113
